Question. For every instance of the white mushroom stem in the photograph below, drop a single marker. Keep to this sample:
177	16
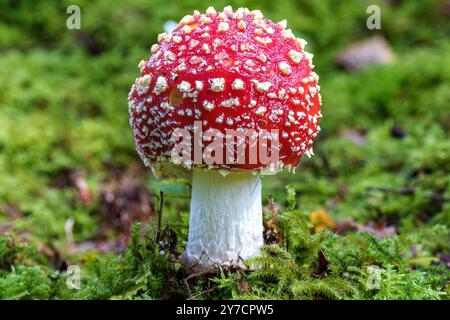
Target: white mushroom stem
226	218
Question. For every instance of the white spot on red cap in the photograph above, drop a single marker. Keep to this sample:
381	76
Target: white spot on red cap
177	39
238	84
205	19
301	43
142	64
187	20
285	68
143	83
169	55
195	60
287	34
257	14
260	110
223	27
184	86
295	56
160	86
232	102
199	85
154	48
211	11
263	86
166	105
262	57
250	63
193	43
208	105
283	24
219	119
241	25
217	84
228	9
222	16
263	40
162	37
206	48
186	29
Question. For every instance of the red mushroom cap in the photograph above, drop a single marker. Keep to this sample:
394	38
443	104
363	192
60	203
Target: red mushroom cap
228	70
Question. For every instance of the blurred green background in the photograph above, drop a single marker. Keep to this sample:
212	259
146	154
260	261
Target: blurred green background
69	173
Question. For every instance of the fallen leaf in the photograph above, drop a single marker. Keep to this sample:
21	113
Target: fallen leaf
5	227
116	246
81	187
377	229
124	200
355	136
445	258
323	264
12	211
271	232
168	241
444	8
321	220
368	52
243	285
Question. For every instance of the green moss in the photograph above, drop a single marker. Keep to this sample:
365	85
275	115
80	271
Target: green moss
307	265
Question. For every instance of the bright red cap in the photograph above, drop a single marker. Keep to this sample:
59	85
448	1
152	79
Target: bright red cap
227	70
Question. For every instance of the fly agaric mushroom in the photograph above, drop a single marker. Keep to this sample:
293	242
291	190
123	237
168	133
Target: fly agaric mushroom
229	71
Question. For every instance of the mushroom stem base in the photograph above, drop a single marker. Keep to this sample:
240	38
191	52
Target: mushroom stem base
226	218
